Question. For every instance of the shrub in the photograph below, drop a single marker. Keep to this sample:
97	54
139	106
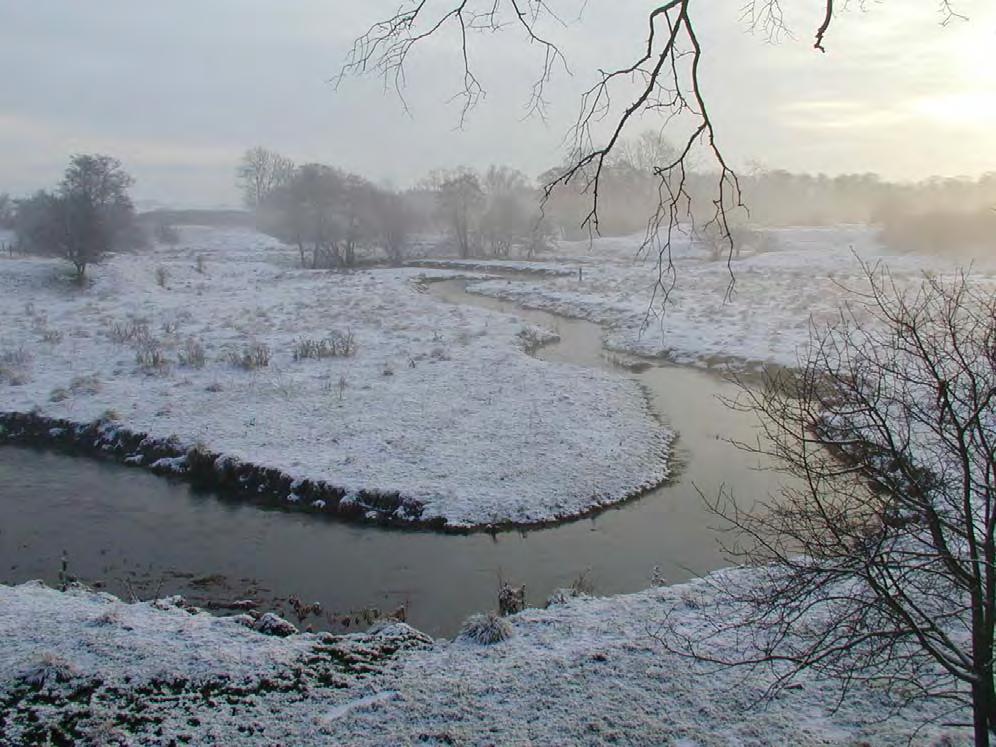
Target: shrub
251	357
85	385
132	331
511	599
52	336
533	338
191	353
15	365
271	624
486	629
49	670
581	586
336	345
151	357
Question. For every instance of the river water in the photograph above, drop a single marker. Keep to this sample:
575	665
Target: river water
137	534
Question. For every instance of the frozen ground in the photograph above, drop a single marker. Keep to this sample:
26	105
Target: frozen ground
803	275
584	672
439	403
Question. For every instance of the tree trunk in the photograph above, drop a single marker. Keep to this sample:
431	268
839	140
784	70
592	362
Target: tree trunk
980	716
983	690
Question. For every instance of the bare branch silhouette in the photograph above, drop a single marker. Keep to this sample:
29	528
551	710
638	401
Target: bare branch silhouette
668	84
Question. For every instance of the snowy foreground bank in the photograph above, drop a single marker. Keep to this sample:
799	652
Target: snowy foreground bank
85	667
374	398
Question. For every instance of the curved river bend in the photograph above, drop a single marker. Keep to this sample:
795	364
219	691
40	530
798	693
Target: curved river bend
134	533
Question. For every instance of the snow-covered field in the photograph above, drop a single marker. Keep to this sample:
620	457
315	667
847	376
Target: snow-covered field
428	385
439	403
587	671
804	276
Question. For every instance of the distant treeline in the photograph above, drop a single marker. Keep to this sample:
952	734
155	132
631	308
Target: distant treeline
334	217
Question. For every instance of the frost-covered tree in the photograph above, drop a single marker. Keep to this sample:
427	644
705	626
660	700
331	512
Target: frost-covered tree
89	215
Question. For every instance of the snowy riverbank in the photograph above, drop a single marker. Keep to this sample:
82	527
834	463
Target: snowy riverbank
88	667
805	274
436	405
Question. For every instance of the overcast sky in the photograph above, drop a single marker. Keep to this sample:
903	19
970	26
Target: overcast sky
177	90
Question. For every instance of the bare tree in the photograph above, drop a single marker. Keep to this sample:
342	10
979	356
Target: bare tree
300	212
394	222
507	219
646	151
90	214
461	200
7	211
876	562
356	217
330	212
665	65
260	172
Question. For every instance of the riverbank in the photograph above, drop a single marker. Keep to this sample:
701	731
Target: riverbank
795	277
86	667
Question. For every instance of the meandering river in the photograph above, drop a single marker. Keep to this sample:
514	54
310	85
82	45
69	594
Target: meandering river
139	535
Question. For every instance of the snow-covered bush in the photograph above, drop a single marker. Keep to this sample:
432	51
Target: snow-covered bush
15	365
336	345
191	353
251	357
151	357
132	331
511	599
487	629
271	624
49	670
51	336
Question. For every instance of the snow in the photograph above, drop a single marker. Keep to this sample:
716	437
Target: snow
502	265
775	294
588	671
439	403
